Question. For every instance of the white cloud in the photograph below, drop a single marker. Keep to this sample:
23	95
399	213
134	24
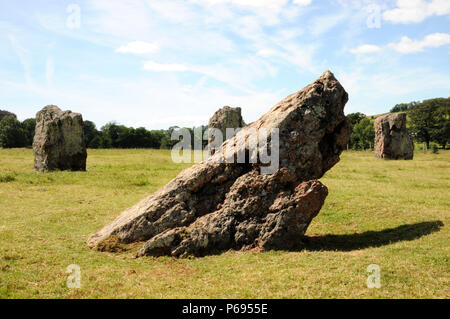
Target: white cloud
161	67
302	2
266	12
435	40
255	3
366	48
138	47
266	53
247	3
414	11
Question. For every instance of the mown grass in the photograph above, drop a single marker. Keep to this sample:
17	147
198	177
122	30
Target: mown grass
391	213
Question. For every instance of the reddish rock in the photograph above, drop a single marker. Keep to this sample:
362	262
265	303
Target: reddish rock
214	206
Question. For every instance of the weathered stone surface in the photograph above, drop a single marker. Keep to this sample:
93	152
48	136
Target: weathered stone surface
6	113
226	117
213	206
391	137
59	140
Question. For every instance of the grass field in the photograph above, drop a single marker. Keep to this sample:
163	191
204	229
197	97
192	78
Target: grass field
391	213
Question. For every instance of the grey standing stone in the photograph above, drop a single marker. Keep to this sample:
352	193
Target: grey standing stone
391	137
59	140
226	117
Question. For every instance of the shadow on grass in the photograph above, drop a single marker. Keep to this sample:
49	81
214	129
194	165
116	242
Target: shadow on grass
371	238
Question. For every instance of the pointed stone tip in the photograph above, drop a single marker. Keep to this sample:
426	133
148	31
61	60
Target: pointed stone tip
51	107
327	75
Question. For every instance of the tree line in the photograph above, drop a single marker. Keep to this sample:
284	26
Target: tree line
113	135
14	133
428	122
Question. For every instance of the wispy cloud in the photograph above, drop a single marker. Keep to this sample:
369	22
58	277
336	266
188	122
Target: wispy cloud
303	2
366	48
24	57
415	11
138	47
407	45
325	23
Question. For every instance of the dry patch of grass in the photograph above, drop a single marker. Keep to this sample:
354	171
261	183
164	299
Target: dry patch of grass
391	213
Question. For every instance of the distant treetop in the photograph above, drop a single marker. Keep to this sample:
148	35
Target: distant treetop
405	106
6	113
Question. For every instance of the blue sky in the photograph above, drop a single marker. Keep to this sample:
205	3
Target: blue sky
157	63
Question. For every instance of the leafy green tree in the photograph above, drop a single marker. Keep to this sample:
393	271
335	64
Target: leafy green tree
157	137
441	134
363	135
91	134
166	141
142	138
104	141
110	133
12	133
404	107
126	137
6	113
29	125
95	142
354	119
429	121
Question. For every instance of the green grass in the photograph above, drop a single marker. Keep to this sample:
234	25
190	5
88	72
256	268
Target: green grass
391	213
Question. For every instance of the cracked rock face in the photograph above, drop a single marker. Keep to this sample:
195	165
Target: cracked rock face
59	140
214	206
391	137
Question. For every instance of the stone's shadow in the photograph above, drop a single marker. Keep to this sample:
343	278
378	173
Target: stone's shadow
371	238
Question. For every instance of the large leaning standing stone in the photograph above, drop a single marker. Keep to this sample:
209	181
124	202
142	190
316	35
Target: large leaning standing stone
226	117
391	137
59	140
214	206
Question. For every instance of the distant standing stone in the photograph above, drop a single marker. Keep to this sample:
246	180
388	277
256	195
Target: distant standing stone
391	137
59	140
226	117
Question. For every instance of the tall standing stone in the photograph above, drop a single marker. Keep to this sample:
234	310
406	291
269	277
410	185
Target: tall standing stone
59	140
214	205
226	117
391	137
